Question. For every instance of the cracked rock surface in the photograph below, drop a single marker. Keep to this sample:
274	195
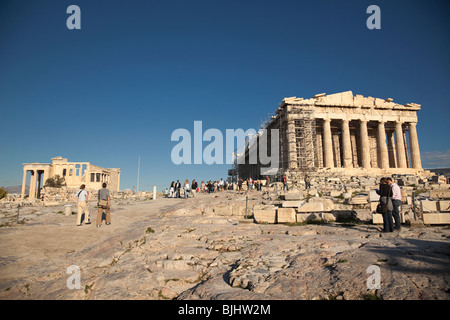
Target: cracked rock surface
201	249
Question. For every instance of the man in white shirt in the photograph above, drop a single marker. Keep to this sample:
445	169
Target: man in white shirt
82	197
187	187
396	202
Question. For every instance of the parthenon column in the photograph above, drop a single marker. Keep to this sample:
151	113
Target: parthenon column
391	150
327	144
336	148
346	145
292	145
382	148
24	182
414	145
365	147
400	146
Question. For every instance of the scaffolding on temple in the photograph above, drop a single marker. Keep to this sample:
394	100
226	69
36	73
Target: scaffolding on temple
305	135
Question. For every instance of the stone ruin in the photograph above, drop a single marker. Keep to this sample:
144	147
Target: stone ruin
63	195
74	174
425	201
339	134
345	143
330	198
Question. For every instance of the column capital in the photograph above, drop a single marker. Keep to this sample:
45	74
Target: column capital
324	118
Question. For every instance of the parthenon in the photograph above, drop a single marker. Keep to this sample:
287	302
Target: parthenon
74	174
344	133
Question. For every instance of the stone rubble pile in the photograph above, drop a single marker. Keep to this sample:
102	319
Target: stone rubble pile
343	198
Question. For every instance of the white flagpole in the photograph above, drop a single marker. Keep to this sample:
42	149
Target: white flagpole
139	165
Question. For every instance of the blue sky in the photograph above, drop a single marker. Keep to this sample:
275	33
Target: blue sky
137	70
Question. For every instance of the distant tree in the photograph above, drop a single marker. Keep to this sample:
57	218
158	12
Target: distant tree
3	193
55	182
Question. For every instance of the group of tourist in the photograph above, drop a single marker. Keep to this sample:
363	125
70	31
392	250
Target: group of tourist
174	191
103	204
389	191
390	200
252	184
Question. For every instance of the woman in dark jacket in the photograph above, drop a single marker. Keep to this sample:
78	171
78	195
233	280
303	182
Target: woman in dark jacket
385	193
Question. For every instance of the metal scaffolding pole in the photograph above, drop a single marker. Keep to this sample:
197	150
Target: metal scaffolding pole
305	133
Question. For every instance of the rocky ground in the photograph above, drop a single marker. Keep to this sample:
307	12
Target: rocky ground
186	249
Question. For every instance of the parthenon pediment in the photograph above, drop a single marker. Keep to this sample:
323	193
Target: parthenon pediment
347	99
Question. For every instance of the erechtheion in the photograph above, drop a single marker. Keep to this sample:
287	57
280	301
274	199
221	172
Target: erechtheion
74	174
344	133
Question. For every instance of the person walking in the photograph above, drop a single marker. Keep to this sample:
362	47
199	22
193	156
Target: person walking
307	182
240	181
172	189
193	188
396	203
267	182
104	204
82	198
186	189
386	205
177	189
285	185
202	187
258	185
